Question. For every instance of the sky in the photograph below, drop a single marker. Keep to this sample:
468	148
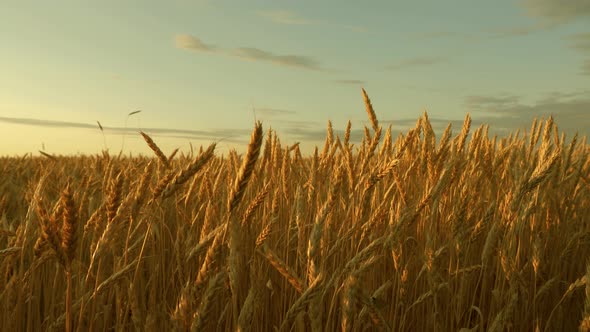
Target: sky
205	71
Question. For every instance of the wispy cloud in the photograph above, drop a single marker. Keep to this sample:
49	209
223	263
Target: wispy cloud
355	28
437	123
503	113
301	123
289	17
442	35
285	17
46	123
191	43
432	35
581	43
491	102
350	82
271	112
317	134
551	97
518	31
188	42
440	88
255	54
417	62
168	132
549	14
558	11
508	111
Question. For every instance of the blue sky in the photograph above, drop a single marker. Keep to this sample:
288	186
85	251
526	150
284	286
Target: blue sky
203	71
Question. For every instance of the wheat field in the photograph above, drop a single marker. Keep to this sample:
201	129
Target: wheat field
461	232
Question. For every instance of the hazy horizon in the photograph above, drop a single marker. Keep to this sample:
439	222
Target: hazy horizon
204	71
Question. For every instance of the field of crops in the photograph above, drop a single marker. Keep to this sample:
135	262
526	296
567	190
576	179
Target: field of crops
463	232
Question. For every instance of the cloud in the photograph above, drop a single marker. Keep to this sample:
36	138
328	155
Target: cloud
491	102
517	31
354	28
550	13
168	132
441	88
350	82
417	62
581	43
432	35
558	11
438	124
503	113
191	43
550	97
188	42
255	54
285	17
46	123
270	112
317	134
570	110
301	123
289	17
439	35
